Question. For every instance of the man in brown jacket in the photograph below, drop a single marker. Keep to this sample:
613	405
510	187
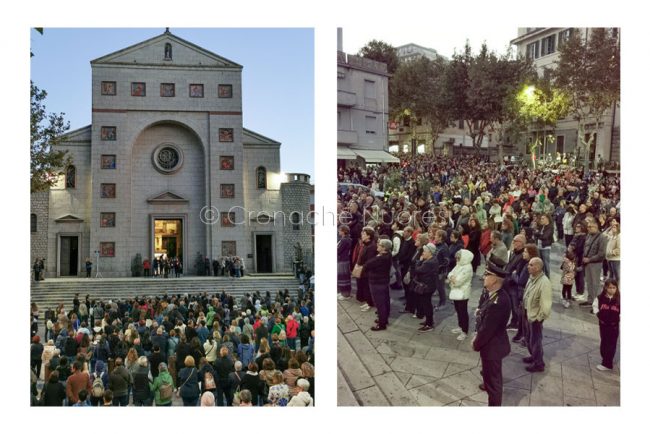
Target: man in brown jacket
76	382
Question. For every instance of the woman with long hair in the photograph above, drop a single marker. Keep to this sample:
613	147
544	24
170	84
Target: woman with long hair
474	243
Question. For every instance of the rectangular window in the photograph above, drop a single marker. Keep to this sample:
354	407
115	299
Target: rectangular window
107	191
108	161
167	89
563	36
109	88
227	219
228	191
226	162
226	134
34	223
224	91
138	89
107	220
196	91
560	144
107	249
369	89
229	248
109	133
371	125
295	220
548	45
532	50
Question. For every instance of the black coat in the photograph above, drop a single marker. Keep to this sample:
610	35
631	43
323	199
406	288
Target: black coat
344	249
491	338
377	269
426	272
407	251
253	384
54	394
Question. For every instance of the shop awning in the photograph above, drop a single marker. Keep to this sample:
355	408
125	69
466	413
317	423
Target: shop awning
345	153
371	156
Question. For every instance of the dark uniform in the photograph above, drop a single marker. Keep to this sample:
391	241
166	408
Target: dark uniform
492	341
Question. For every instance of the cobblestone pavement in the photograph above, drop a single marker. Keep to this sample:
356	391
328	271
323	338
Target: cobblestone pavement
402	367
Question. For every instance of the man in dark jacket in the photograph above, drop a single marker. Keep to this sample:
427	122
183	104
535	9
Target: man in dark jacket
442	256
515	264
491	338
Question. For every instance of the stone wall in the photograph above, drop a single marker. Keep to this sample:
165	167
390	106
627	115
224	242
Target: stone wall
39	206
295	198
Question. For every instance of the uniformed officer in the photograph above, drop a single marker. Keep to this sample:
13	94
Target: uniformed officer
491	338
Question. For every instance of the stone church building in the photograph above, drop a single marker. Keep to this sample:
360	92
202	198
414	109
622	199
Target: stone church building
167	167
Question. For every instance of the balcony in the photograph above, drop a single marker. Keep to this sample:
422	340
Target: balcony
347	137
346	99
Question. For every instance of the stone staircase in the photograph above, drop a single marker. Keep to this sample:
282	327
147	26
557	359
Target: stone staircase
53	291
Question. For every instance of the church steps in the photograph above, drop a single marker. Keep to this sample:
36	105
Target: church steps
53	291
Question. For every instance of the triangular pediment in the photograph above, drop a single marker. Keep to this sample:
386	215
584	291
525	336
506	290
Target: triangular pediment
152	52
253	138
69	219
167	198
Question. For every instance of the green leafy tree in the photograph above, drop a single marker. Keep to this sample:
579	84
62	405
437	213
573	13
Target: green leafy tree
381	52
589	73
416	92
542	106
46	132
479	87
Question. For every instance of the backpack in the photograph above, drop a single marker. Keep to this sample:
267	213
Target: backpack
98	387
166	391
208	382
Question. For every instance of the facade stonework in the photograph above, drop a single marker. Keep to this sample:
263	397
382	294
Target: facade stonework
131	94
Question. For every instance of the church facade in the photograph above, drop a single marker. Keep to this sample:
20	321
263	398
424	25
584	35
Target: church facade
167	168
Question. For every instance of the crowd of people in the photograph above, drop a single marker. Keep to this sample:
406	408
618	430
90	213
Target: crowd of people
439	218
207	349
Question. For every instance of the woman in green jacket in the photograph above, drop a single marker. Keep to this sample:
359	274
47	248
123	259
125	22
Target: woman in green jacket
165	383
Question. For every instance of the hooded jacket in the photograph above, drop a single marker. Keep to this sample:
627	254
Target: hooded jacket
462	274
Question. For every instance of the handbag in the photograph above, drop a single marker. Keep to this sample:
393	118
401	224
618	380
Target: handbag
420	288
456	294
356	271
235	398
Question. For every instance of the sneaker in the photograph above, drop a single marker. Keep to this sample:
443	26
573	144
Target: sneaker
425	328
414	316
456	330
580	297
363	306
461	337
566	304
603	368
342	297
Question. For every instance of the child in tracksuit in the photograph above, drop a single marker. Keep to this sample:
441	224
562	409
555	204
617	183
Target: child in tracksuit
607	306
568	268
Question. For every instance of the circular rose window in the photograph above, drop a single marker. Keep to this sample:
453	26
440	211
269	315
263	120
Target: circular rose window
167	158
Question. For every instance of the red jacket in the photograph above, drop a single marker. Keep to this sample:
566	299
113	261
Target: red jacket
292	329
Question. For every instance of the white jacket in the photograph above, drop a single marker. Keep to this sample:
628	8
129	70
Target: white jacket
567	223
302	399
461	276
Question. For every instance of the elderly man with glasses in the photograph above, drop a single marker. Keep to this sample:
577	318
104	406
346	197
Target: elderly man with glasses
537	308
491	338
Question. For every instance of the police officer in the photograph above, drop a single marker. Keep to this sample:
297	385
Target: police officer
491	338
